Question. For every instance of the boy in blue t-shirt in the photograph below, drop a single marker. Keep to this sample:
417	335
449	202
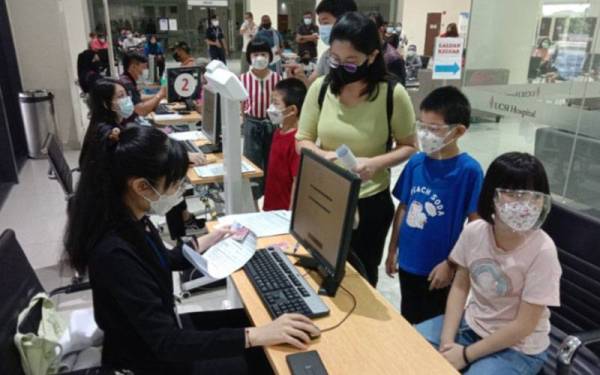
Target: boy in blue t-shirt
438	189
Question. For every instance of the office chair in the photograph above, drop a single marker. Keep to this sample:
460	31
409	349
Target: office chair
60	168
19	284
60	171
575	334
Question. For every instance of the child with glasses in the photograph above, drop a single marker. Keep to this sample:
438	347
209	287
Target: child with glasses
438	190
509	267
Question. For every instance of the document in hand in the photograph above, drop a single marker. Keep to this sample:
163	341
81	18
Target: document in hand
224	258
262	224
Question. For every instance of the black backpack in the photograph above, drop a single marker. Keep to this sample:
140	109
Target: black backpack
389	107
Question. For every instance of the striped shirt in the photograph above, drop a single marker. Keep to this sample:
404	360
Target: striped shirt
259	93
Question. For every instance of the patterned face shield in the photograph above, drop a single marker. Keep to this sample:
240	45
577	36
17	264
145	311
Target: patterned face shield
522	210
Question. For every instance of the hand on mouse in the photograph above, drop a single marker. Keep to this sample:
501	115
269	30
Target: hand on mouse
293	329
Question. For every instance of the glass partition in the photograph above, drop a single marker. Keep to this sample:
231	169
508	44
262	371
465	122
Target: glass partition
172	21
532	77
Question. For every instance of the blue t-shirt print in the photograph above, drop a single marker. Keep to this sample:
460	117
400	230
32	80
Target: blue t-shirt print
438	195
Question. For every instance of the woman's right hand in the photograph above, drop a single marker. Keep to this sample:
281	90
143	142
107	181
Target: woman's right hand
293	329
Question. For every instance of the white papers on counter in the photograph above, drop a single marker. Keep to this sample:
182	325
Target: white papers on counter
188	136
224	258
262	224
217	169
167	117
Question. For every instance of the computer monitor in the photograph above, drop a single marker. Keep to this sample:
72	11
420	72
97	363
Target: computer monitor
325	202
211	121
183	83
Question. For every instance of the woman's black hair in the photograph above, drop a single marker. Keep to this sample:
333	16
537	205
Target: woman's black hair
394	40
98	205
258	45
451	30
513	170
100	103
361	32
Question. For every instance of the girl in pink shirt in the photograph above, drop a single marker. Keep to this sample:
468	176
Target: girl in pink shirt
507	275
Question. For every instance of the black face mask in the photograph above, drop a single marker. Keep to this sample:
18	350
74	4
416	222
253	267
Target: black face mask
176	57
306	60
343	77
266	25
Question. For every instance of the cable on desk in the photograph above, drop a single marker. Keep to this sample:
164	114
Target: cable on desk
347	315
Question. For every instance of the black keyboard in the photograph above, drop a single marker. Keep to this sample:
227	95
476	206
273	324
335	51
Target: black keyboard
280	286
163	109
190	146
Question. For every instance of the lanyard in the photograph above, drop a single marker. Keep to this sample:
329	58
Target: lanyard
161	257
165	264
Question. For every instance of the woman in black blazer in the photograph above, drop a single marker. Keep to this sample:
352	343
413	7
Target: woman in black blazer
137	171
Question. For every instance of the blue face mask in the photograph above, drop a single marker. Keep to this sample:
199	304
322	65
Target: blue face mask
125	109
325	32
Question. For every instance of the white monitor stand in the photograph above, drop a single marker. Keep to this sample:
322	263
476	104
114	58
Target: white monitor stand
232	93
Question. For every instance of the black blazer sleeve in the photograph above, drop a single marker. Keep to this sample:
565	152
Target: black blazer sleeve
135	290
177	261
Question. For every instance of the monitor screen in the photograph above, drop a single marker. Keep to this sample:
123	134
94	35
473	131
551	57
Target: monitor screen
323	211
183	83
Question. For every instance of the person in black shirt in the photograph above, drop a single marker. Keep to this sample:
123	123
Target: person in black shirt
307	36
139	170
215	38
134	64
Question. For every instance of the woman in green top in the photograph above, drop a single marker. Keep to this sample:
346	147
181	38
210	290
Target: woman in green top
354	112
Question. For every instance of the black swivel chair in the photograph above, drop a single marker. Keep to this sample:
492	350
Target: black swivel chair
575	334
60	168
19	284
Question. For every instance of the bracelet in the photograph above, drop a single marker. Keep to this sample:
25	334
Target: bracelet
465	356
248	342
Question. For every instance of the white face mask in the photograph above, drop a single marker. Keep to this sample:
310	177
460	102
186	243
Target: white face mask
275	114
519	216
431	142
215	23
260	62
307	21
164	203
325	32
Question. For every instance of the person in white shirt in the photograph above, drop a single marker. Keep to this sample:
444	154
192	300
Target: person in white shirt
248	30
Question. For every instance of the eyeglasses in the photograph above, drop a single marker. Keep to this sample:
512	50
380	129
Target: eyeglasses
434	128
349	67
520	195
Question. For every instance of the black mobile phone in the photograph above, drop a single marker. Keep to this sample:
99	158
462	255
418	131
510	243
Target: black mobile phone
306	363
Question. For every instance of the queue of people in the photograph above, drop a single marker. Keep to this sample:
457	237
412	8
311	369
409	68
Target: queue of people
497	258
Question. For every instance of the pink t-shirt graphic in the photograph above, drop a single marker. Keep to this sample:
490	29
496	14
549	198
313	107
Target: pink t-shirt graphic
501	280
